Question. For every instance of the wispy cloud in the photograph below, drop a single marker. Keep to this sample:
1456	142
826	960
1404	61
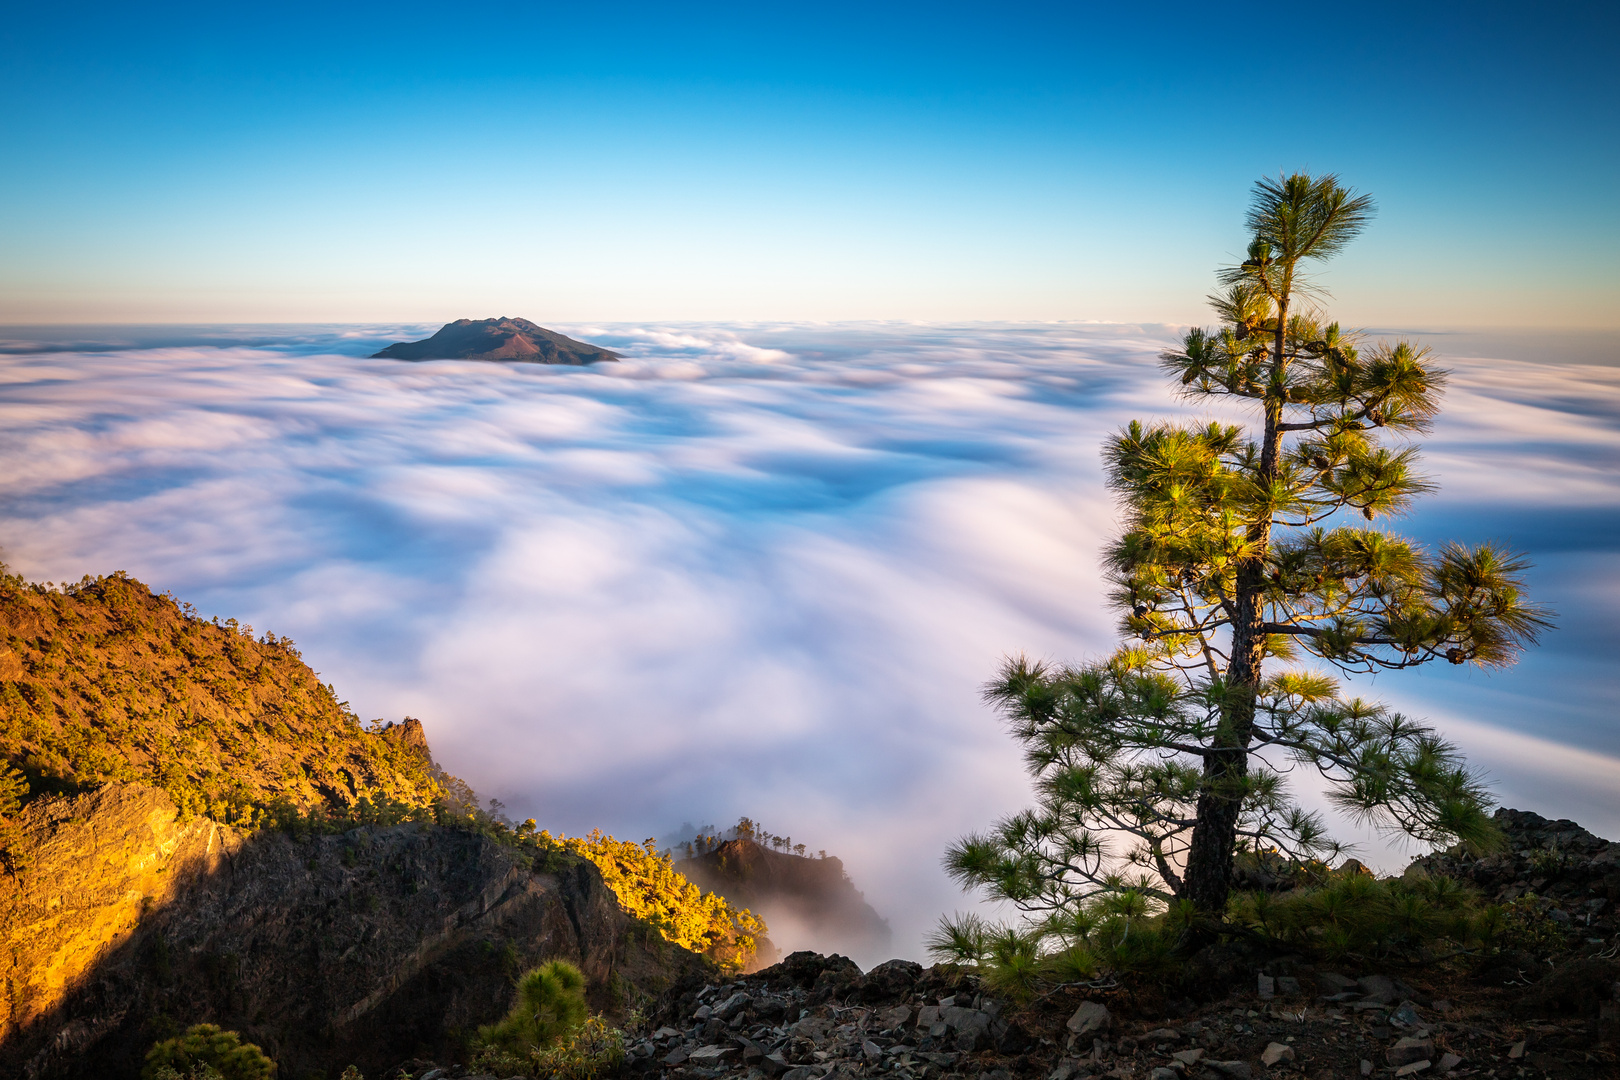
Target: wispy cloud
756	570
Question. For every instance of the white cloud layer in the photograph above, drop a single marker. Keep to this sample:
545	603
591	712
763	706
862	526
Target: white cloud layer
751	570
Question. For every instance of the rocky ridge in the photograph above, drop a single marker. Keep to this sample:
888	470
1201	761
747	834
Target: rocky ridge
1573	875
813	896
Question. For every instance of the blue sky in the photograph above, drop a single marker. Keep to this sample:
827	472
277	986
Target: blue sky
949	161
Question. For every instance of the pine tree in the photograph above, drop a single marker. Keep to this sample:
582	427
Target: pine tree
1245	574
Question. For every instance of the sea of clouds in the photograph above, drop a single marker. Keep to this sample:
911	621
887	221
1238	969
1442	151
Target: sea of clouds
756	570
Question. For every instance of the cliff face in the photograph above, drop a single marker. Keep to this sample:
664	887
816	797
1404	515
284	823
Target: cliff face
362	948
808	903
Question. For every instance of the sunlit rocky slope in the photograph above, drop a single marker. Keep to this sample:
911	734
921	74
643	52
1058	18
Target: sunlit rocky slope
105	681
193	828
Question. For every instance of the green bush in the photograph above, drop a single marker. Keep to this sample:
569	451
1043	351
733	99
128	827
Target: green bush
1357	913
1330	915
205	1052
550	1005
591	1050
1112	933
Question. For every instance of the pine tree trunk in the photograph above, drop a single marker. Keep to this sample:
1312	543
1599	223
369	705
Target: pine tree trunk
1208	878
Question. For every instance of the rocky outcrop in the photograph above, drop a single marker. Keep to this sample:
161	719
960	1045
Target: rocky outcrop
1574	875
359	948
498	339
812	898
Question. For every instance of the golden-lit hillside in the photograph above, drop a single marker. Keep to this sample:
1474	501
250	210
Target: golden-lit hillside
105	680
649	888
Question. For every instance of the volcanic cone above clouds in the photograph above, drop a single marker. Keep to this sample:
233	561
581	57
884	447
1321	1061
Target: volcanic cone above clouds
498	339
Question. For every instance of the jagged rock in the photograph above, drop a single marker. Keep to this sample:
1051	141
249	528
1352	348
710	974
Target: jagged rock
887	981
1237	1070
707	1057
1275	1053
1410	1049
1448	1062
1090	1018
1065	1069
1414	1068
804	968
1406	1015
896	1017
732	1006
1558	860
814	1028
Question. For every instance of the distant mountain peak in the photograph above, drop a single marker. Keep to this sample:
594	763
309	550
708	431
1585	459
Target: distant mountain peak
517	340
806	899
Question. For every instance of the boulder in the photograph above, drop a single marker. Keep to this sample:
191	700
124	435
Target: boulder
1379	988
896	1017
1089	1019
887	981
1409	1049
1275	1053
733	1005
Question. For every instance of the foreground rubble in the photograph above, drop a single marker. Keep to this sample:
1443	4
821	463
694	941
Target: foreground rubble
818	1018
1234	1013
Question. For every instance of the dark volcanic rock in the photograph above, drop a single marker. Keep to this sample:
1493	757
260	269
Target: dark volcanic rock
1567	868
498	339
362	947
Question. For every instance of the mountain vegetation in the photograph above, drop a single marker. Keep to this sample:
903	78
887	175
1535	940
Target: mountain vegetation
205	1052
1246	575
104	680
807	896
194	827
652	890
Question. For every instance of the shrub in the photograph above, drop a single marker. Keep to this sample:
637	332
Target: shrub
591	1050
1355	912
548	1032
205	1052
550	1005
1113	933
